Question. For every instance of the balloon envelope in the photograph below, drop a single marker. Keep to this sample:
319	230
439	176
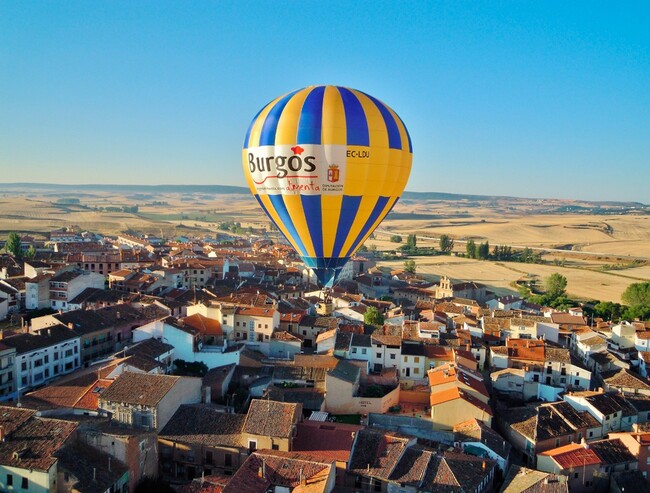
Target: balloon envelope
327	164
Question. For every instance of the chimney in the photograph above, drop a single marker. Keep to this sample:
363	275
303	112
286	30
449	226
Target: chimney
94	474
2	433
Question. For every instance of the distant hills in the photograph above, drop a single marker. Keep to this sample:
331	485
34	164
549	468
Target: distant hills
229	189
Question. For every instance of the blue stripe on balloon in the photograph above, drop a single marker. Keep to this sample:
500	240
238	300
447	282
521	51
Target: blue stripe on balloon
376	211
281	210
408	135
355	119
266	211
267	136
311	117
311	206
394	138
349	208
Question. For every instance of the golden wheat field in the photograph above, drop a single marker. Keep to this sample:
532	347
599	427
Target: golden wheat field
599	254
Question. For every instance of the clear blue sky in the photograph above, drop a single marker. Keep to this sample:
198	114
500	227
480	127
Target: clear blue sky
536	99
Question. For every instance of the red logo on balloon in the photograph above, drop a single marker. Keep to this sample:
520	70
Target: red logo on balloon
297	150
333	173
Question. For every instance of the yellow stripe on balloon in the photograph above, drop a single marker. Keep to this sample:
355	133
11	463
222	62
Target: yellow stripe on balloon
363	213
247	174
296	212
287	127
256	128
278	222
334	130
381	217
331	209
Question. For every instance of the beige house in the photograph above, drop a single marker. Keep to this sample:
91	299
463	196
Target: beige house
345	395
148	401
453	406
200	440
255	324
271	425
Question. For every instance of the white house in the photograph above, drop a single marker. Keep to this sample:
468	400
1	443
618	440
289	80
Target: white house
610	409
642	340
37	292
66	285
386	351
623	335
42	358
189	343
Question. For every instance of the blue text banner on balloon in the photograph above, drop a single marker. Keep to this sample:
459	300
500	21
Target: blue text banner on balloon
305	169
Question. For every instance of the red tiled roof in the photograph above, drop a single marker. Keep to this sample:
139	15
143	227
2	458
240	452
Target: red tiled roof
443	396
331	441
254	311
205	325
572	455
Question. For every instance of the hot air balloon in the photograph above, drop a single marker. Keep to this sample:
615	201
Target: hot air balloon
327	164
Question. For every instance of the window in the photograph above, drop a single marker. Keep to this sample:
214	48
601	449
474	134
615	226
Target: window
24	484
252	445
416	371
417	359
46	358
23	366
10	479
557	442
392	356
227	460
406	358
354	350
576	475
275	446
208	457
379	355
363	351
56	355
577	382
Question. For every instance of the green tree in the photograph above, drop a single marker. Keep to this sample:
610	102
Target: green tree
446	244
412	242
470	248
483	251
30	253
637	294
396	239
409	266
373	316
608	310
13	245
555	285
